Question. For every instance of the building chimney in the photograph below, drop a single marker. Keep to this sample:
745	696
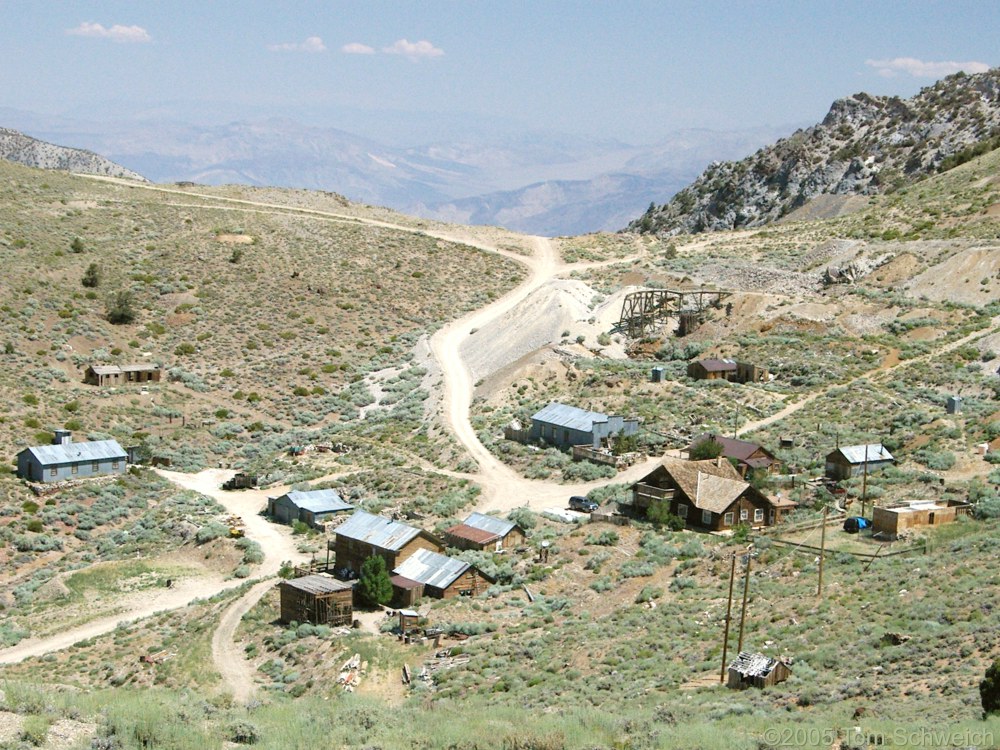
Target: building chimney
62	437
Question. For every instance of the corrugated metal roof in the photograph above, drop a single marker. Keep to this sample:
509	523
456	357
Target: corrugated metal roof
377	530
106	369
753	665
473	535
95	450
317	584
431	568
141	367
492	524
855	454
319	501
562	415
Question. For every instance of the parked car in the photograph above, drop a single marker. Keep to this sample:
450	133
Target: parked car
854	524
583	504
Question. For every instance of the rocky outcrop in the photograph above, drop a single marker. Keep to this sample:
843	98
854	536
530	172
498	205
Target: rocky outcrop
866	145
31	152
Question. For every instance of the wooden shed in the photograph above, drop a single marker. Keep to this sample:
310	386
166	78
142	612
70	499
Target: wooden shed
427	573
109	375
483	532
756	670
854	460
318	599
365	534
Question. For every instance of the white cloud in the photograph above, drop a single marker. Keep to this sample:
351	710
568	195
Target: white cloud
413	50
116	33
311	44
922	68
356	48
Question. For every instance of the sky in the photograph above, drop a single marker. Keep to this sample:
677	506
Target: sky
630	70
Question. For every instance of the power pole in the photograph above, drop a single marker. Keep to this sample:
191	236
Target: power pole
864	483
746	589
729	609
822	552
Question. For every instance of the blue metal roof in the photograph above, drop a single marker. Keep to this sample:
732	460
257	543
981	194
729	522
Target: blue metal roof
571	417
71	453
319	501
377	530
431	568
492	524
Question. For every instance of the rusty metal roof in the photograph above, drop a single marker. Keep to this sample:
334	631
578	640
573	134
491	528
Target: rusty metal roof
478	536
431	568
377	531
718	365
317	584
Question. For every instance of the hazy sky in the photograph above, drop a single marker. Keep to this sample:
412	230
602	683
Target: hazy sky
627	70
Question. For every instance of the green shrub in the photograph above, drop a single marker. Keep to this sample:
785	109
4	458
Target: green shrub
210	531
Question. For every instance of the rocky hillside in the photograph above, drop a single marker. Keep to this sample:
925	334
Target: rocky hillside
866	145
31	152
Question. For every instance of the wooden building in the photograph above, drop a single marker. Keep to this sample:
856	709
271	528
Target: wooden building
109	375
756	670
426	573
889	521
483	532
318	599
313	507
364	534
565	426
65	459
727	369
708	495
852	460
748	456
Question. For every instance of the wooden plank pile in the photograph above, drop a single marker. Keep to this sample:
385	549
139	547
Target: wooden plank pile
350	673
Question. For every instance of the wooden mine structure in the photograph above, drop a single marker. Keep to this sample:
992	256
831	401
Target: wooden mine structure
642	311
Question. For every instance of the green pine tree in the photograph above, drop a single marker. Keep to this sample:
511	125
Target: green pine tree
374	584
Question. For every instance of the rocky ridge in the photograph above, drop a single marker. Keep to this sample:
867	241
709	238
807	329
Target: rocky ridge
31	152
866	145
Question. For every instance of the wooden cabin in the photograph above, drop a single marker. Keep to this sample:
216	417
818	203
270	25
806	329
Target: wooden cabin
317	599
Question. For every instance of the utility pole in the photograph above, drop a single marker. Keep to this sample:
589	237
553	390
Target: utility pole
822	552
746	589
729	609
736	423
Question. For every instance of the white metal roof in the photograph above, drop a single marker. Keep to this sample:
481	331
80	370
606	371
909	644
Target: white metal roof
431	568
319	501
71	453
855	454
377	530
492	524
571	417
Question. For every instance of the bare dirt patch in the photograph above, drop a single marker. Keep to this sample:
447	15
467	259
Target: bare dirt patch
234	239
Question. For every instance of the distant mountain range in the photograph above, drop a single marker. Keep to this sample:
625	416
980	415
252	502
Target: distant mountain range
536	183
31	152
866	145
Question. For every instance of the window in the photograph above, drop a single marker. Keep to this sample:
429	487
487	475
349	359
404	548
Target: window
771	517
728	519
744	514
114	464
758	515
96	466
74	469
682	511
706	517
53	472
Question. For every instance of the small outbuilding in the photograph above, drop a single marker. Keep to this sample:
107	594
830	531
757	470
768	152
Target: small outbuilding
747	456
427	573
317	599
756	670
312	507
482	532
65	459
854	460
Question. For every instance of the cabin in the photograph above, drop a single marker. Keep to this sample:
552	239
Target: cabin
313	507
483	532
109	375
365	534
709	495
426	573
756	670
889	521
854	460
565	426
747	456
65	459
727	369
317	599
